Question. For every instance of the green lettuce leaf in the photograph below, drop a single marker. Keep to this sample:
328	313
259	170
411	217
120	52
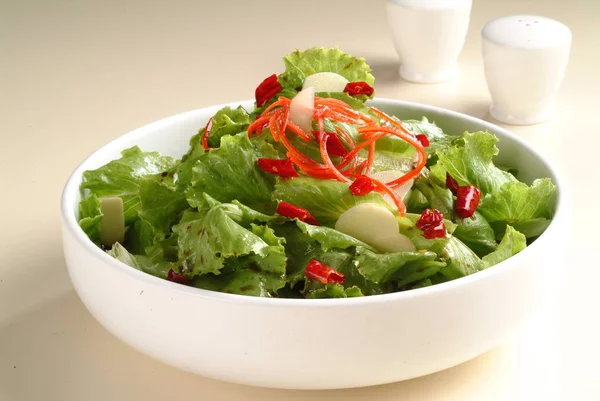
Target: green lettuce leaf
161	202
207	238
326	200
460	260
527	208
139	236
476	233
122	177
141	262
335	291
228	121
231	172
512	243
435	135
330	238
254	283
90	215
470	162
299	65
404	267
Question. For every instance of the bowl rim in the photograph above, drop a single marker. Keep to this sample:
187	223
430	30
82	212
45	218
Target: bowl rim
71	224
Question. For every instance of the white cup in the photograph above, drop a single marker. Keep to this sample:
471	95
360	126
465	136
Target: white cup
428	36
525	59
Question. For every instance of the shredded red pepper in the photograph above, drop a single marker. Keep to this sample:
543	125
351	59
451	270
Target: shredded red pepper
176	277
362	185
431	223
322	273
339	150
359	88
266	90
206	134
281	167
294	212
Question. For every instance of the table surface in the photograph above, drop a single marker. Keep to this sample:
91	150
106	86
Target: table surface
76	74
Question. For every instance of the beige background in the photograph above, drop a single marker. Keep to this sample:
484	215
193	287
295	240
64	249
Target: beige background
75	74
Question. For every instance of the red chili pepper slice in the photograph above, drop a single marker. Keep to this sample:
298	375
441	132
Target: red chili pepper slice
266	90
423	139
362	186
467	200
451	184
359	88
176	277
281	167
206	134
335	147
322	273
431	223
294	212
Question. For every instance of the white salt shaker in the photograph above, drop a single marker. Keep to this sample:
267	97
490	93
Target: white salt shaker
428	36
525	59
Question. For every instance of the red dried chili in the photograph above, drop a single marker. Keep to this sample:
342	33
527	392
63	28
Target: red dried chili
467	197
206	134
266	90
176	277
294	212
423	139
467	200
335	147
359	88
281	167
451	184
322	273
431	223
362	186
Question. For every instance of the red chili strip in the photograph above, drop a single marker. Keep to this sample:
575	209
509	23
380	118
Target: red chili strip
362	186
176	277
206	134
266	90
451	184
322	273
467	200
335	147
467	197
423	139
294	212
431	223
359	88
281	167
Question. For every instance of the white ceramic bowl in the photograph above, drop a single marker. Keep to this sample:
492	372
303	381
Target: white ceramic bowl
309	344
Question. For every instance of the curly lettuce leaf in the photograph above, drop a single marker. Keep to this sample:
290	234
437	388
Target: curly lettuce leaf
231	172
90	215
300	64
460	260
335	291
470	162
161	202
476	233
207	238
403	267
527	208
228	121
330	238
326	200
512	243
121	177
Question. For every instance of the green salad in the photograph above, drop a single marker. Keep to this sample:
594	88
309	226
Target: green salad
314	194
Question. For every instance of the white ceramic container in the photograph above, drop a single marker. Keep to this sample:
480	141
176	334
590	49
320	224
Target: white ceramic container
525	59
428	36
310	344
